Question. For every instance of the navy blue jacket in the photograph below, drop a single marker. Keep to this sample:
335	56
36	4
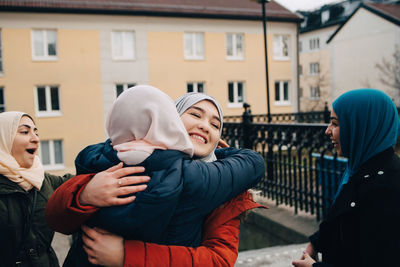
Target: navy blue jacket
180	194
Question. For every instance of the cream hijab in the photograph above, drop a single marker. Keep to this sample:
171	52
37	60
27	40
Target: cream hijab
142	119
9	167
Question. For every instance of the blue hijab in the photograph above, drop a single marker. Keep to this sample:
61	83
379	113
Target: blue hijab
369	124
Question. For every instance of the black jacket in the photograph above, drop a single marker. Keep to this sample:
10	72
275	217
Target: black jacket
363	225
31	247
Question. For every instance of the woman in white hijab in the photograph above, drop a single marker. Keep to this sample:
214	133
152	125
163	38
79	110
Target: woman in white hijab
24	191
144	140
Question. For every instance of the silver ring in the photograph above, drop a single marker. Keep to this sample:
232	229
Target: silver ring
119	182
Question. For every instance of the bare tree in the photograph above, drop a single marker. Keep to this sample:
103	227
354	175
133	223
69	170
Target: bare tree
320	81
390	71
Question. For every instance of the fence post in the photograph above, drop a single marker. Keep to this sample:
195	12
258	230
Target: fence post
327	113
247	120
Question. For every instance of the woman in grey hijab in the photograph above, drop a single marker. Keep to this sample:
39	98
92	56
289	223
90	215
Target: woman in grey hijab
186	102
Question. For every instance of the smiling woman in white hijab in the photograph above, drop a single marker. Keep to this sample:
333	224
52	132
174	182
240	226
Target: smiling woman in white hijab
24	191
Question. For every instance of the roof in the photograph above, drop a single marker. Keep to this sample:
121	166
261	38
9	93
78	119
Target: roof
338	13
224	9
389	11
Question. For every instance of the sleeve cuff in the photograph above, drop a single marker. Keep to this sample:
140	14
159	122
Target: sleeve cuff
83	207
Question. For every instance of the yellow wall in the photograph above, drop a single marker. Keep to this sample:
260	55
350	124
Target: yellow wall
169	71
77	72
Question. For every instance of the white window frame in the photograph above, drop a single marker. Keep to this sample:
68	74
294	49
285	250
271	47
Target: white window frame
53	165
325	15
125	47
236	103
124	87
46	56
192	55
279	46
314	68
314	44
2	105
315	93
282	102
1	55
235	44
48	112
196	87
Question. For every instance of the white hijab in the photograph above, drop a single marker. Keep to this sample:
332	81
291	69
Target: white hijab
142	119
184	102
9	167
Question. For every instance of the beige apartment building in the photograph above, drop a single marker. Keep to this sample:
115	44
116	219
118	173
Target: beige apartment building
65	62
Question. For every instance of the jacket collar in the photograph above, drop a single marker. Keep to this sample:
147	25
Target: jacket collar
162	159
8	187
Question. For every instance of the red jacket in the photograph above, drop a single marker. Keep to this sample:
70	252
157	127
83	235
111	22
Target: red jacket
220	239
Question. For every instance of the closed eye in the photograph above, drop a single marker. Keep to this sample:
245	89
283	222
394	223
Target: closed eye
195	115
216	126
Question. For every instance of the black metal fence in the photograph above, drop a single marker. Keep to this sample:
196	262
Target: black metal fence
301	169
299	117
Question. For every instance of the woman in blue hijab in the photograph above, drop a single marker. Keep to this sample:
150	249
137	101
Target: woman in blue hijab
363	225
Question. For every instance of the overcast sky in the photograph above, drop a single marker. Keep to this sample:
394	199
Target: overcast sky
294	5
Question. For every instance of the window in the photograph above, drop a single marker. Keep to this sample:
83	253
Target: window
47	101
281	47
123	45
194	45
119	88
314	44
44	44
234	46
235	94
282	93
195	87
300	46
2	105
314	92
325	16
300	70
1	55
314	68
51	154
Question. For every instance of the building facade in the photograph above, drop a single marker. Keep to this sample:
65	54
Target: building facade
342	47
369	37
65	62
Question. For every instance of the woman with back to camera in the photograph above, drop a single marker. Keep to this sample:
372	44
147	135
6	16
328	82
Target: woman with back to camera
200	111
362	226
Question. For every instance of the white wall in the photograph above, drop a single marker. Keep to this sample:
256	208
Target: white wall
355	50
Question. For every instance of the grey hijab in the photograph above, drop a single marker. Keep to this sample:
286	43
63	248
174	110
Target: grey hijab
184	102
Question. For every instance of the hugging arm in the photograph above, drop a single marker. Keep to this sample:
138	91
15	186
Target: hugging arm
75	201
219	245
235	171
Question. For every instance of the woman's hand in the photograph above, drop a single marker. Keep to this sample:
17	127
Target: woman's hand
305	261
311	251
106	188
103	248
222	144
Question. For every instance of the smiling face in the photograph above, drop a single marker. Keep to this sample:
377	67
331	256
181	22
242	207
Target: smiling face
333	131
26	143
202	122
